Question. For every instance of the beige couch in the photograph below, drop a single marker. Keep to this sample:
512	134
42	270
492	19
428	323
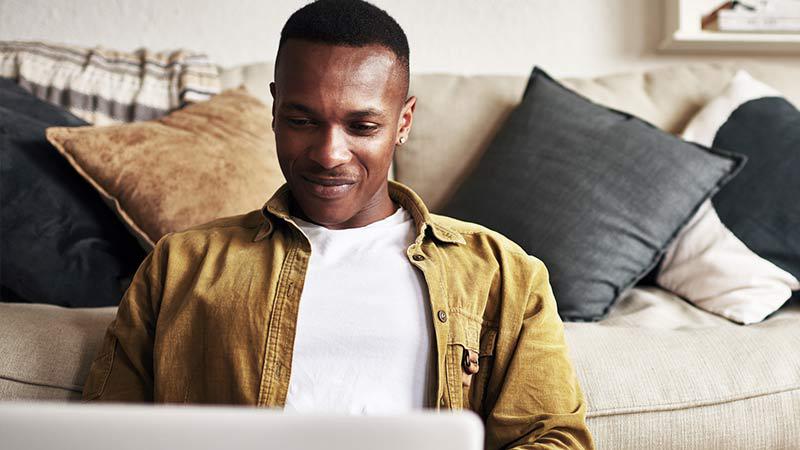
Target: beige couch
657	373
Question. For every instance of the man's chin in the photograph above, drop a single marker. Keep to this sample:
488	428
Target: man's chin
325	212
328	219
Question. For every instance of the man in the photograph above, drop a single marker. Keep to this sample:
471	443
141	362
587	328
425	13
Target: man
344	293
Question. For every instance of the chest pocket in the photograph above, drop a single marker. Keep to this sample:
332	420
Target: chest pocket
470	359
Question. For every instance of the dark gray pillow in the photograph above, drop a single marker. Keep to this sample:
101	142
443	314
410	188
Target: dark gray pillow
762	205
59	243
595	193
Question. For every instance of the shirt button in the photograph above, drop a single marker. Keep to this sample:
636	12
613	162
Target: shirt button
442	316
418	257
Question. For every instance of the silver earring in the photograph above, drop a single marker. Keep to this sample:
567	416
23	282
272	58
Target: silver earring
402	140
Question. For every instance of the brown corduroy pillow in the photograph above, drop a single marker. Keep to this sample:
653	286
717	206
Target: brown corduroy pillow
208	160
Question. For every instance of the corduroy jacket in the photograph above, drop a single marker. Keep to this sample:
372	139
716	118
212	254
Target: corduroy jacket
210	317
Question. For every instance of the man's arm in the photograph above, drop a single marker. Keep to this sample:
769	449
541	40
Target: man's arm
122	371
540	404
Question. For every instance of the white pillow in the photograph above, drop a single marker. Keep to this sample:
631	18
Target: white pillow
741	89
707	264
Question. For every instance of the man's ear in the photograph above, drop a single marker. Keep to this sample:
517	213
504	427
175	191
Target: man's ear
406	119
272	92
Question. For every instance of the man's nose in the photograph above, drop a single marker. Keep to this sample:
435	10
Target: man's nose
332	148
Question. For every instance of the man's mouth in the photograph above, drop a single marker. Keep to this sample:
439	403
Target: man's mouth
329	188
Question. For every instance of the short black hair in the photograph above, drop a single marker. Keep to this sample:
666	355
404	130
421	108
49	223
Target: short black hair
353	23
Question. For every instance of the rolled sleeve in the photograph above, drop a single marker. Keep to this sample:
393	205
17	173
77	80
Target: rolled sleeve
122	371
540	404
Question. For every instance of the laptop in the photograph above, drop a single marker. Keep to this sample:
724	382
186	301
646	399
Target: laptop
93	426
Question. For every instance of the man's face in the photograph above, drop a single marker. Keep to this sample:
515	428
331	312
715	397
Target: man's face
338	113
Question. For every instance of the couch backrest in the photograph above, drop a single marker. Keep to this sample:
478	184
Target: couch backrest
457	116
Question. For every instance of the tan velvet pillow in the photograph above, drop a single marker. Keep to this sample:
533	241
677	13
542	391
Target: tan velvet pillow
208	160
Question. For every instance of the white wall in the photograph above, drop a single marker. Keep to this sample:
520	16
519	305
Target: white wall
566	37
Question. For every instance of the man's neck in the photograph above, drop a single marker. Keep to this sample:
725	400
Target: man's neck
360	219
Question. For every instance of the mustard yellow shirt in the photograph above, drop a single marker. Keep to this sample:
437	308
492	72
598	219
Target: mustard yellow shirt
211	313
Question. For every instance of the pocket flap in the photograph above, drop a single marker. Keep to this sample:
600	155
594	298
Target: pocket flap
471	334
465	331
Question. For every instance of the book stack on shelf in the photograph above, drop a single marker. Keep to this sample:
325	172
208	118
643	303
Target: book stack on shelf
776	16
751	26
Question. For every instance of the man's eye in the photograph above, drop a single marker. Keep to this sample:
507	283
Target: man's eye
298	122
363	127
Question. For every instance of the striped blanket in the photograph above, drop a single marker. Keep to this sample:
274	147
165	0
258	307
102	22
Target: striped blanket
104	86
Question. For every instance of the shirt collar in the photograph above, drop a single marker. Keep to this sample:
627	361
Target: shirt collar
277	207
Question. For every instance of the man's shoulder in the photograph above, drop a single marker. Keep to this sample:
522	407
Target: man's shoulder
487	252
241	227
481	237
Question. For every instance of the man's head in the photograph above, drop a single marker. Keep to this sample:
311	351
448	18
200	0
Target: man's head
340	107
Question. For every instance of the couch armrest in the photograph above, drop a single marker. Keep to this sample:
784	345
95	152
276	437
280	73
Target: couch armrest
46	350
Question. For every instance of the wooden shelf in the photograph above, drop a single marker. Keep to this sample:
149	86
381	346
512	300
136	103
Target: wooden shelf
683	34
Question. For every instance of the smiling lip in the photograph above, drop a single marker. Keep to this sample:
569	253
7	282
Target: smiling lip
329	188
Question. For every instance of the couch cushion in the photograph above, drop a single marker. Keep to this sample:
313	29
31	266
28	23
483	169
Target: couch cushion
45	350
688	374
254	77
687	370
454	121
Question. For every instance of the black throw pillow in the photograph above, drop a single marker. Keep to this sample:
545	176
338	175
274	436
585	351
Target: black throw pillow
762	205
59	243
595	193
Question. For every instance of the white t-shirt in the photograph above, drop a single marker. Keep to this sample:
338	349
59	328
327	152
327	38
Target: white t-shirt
363	340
